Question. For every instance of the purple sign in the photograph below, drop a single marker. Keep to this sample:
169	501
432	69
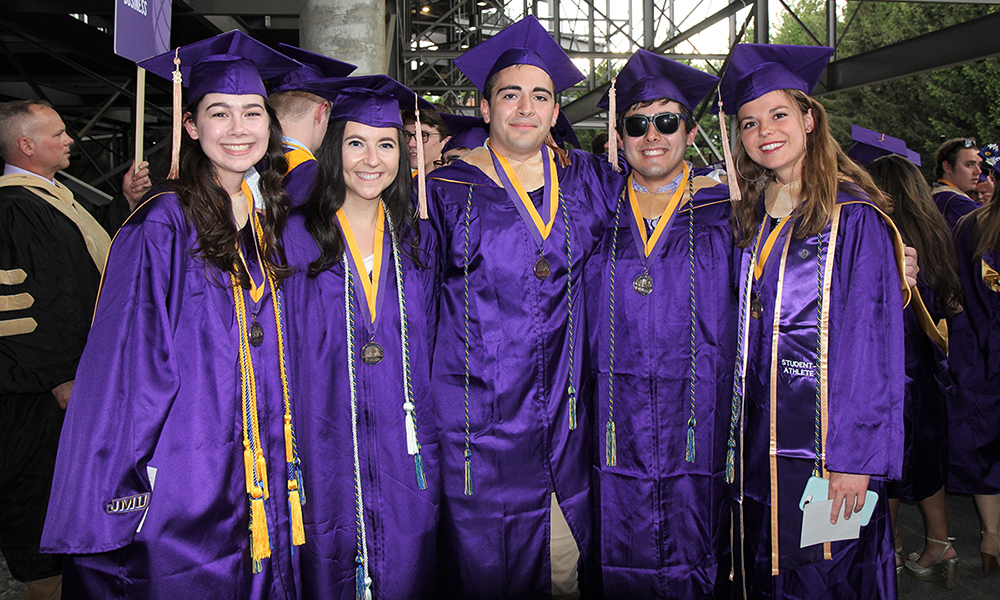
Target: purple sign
142	28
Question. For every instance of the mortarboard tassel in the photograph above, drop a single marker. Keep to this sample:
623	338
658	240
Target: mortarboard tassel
612	134
611	445
731	172
689	453
175	151
421	175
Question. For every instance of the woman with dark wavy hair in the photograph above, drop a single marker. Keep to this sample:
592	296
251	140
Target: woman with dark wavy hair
928	384
819	386
974	413
178	475
362	303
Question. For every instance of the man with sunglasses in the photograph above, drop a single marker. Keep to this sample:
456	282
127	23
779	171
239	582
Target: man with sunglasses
662	313
957	169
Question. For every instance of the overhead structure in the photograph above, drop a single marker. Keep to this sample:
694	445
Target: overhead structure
61	51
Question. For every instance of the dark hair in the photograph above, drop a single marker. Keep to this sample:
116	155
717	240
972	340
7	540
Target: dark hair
210	209
825	171
427	117
948	152
597	144
987	218
330	191
920	223
688	119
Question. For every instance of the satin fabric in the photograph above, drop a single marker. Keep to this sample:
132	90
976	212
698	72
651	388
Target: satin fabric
495	542
974	411
159	386
401	520
952	204
664	522
865	429
925	410
298	182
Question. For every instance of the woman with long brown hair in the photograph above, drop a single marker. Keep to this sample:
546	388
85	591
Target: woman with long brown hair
974	413
178	475
937	296
819	356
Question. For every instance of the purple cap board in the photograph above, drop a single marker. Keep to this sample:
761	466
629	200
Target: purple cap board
563	132
523	43
870	145
648	76
466	132
757	69
373	100
314	66
229	63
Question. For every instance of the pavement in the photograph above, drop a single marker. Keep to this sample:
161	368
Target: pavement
963	526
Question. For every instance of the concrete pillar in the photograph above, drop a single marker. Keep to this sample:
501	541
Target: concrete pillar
348	30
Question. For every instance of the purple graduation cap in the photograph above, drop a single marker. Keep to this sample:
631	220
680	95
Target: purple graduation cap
756	69
990	153
649	76
314	66
229	63
373	100
466	132
523	43
563	132
869	145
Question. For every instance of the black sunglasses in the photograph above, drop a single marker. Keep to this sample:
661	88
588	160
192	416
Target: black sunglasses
666	123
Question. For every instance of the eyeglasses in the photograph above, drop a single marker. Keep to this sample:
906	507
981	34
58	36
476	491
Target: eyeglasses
446	160
424	135
666	123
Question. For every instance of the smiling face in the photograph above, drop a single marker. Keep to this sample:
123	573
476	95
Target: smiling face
965	172
773	131
370	159
656	159
233	132
521	111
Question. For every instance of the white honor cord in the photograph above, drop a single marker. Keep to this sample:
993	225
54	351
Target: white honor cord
348	307
410	425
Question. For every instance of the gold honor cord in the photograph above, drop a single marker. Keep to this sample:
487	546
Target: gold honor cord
671	210
369	284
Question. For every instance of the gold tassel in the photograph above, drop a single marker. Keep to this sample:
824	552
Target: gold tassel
288	438
612	133
262	474
295	514
175	152
421	171
731	172
260	544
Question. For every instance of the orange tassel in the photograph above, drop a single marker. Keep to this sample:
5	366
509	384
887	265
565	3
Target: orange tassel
731	172
295	515
175	152
612	134
421	171
260	544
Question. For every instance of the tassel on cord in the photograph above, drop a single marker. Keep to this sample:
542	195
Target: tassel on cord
611	445
731	462
295	500
175	152
612	133
468	472
421	174
248	466
727	152
572	407
689	453
359	579
260	545
262	475
411	430
418	464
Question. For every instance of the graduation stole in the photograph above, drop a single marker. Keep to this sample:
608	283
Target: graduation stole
354	268
951	187
645	248
297	155
255	468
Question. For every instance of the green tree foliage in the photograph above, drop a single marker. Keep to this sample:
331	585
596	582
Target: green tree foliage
922	109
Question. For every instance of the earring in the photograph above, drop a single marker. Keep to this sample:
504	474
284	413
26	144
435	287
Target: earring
736	163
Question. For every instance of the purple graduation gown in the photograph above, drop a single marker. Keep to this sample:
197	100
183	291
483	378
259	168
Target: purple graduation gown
159	387
664	522
952	203
400	519
974	411
298	181
865	418
925	409
495	542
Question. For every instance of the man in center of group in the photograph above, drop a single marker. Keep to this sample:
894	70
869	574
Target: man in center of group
663	305
517	223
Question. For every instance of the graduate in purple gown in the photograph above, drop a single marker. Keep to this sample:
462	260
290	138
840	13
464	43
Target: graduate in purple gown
662	318
361	307
928	384
820	363
177	475
304	116
517	221
957	169
974	413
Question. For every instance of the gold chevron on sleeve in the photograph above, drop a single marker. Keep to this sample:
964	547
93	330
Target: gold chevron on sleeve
16	302
17	326
12	277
